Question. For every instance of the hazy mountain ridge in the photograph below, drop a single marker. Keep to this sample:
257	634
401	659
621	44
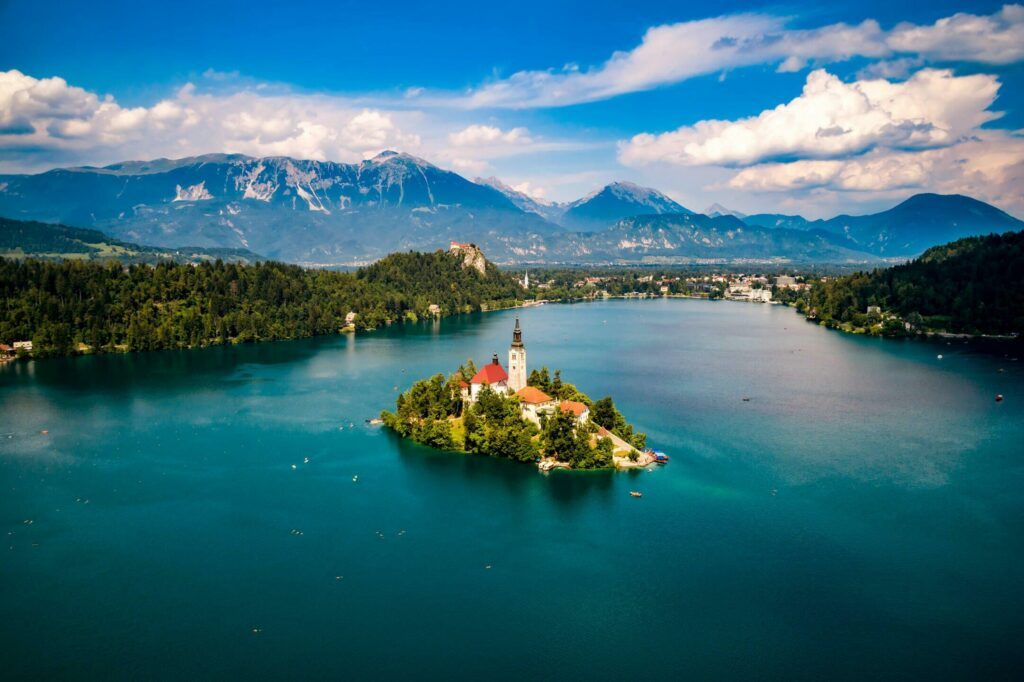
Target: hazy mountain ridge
551	211
908	228
690	237
792	222
715	210
321	212
920	222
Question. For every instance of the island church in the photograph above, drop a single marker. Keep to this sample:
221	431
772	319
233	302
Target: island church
533	400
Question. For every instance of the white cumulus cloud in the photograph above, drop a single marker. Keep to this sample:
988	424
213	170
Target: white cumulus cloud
534	192
476	135
994	39
50	118
831	119
468	166
989	166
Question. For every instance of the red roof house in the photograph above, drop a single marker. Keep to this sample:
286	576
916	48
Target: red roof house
492	373
533	396
579	410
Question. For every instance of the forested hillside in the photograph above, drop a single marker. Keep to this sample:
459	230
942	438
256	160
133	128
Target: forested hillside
73	306
969	286
51	241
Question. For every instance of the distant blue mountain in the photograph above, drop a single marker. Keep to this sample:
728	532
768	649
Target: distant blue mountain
616	201
791	222
695	237
908	229
920	222
715	210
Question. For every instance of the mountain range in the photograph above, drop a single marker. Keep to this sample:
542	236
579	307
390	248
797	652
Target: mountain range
321	212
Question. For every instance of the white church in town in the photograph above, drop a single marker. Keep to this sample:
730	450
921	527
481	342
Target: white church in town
534	401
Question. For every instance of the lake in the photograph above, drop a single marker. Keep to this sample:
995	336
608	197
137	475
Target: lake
861	516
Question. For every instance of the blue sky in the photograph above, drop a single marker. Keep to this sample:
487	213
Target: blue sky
761	107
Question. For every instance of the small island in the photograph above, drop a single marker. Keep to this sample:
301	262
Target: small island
532	418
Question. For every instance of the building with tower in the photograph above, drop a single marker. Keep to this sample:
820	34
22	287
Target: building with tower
517	360
493	374
534	402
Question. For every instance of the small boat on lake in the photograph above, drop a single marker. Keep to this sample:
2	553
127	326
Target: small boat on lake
635	493
659	456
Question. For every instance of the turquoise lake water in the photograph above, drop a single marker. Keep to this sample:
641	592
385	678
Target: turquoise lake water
862	516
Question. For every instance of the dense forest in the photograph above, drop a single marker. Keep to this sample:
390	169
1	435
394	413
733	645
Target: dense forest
73	306
432	412
970	286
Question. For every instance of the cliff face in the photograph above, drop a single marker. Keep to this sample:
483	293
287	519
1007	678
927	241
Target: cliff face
472	256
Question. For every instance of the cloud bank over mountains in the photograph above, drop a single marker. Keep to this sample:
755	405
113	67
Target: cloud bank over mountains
865	136
50	114
921	113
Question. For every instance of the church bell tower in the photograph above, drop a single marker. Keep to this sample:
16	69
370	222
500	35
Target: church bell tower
517	360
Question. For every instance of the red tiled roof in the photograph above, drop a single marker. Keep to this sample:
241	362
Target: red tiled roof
491	373
573	406
463	384
533	396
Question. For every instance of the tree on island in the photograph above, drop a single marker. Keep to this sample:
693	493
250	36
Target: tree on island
494	426
567	440
540	378
603	413
556	385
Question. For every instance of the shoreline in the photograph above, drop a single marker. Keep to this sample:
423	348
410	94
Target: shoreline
916	336
346	331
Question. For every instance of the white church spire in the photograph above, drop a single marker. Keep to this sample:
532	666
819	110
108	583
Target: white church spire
517	360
